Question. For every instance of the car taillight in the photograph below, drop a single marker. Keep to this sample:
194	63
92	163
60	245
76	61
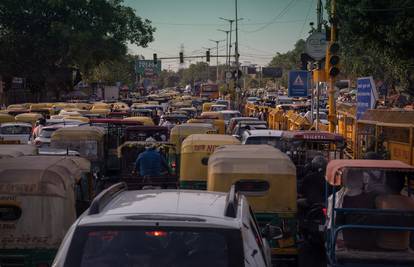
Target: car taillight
156	233
173	165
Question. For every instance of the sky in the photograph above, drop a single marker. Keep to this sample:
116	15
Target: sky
267	27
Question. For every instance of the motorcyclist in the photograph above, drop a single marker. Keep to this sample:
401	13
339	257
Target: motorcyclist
313	184
149	163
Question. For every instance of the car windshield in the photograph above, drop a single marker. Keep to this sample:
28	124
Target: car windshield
264	140
16	129
133	246
47	133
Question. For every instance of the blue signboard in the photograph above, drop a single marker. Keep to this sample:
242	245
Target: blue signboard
298	83
366	95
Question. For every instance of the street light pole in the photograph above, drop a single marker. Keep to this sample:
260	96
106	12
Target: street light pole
231	29
217	64
227	45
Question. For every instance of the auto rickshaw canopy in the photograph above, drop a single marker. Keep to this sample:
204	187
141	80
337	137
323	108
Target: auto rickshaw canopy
100	105
6	118
211	115
17	107
230	164
181	131
37	106
14	151
144	120
42	175
335	168
100	111
28	117
77	118
78	133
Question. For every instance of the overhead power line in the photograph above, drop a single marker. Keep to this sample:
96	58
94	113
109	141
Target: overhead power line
278	16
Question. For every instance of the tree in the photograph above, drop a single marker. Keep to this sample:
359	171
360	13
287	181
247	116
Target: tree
288	61
110	72
376	38
42	38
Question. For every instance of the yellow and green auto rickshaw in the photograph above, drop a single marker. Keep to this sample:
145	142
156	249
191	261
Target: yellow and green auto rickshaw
218	124
267	177
87	140
180	131
40	198
195	151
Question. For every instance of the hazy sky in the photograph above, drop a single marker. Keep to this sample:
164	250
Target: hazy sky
268	26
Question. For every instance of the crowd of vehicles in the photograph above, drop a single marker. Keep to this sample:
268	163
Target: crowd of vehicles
234	190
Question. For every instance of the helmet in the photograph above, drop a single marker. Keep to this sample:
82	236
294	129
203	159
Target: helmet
319	163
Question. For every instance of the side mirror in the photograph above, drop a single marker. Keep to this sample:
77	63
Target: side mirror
272	232
204	161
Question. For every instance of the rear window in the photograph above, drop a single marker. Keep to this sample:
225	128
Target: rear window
47	133
264	140
138	246
16	129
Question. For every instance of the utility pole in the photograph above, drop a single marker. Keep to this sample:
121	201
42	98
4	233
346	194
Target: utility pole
231	29
331	90
237	87
227	45
217	64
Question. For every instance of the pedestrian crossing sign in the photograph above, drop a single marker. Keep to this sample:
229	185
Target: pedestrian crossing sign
299	83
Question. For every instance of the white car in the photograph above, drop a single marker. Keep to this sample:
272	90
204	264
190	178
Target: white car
165	228
15	132
46	132
229	114
262	137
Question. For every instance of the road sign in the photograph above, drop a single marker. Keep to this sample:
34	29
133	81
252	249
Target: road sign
269	72
299	83
144	67
366	95
316	45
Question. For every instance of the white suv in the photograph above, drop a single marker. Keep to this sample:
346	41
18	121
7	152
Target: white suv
164	228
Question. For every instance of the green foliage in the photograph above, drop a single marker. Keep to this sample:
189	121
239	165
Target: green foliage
196	72
288	61
37	38
376	37
110	72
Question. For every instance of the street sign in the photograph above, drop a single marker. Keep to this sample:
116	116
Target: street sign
147	68
299	83
366	95
229	75
316	45
270	72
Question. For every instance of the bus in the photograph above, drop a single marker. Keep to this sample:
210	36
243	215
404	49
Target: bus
209	91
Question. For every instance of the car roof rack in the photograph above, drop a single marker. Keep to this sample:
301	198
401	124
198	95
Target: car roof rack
101	200
230	209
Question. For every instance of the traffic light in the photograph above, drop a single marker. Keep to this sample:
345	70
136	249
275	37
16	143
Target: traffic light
333	59
208	55
181	57
155	58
